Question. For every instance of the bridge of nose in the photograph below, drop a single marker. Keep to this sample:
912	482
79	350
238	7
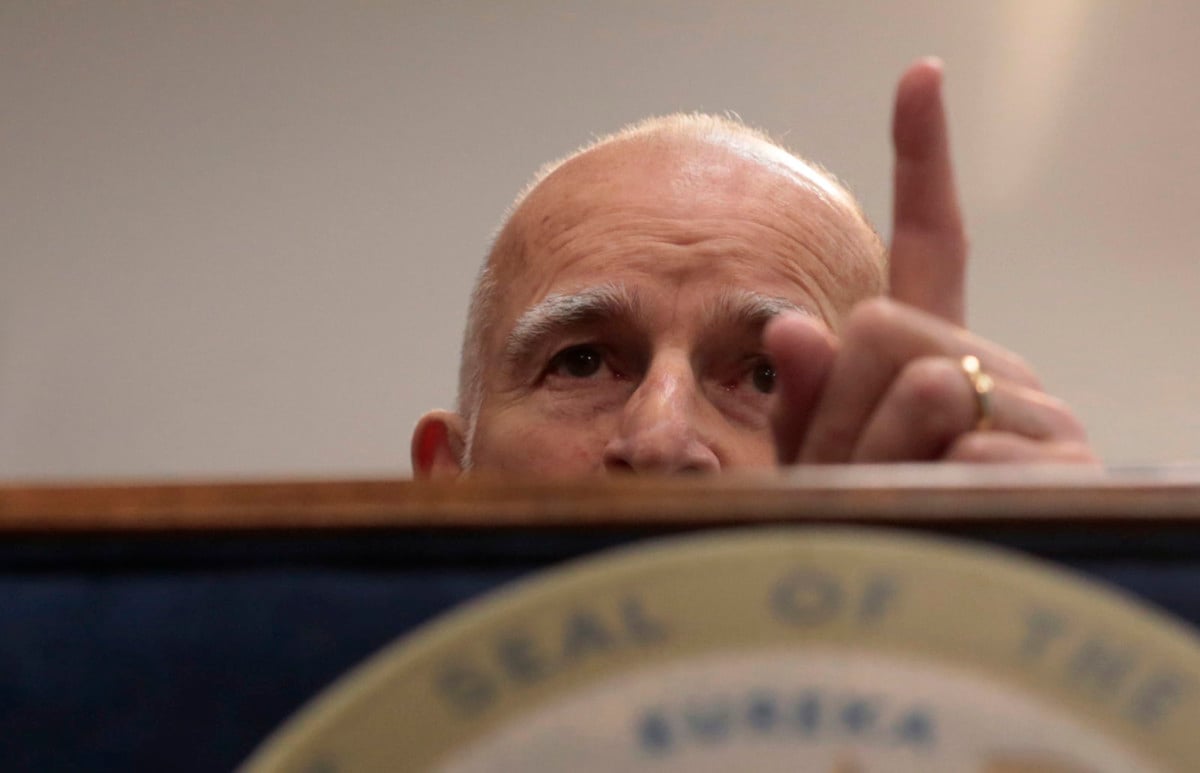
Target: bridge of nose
660	428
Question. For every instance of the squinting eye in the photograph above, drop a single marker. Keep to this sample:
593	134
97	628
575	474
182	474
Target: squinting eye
580	361
763	377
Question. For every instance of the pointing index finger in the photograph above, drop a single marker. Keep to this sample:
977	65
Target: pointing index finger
927	265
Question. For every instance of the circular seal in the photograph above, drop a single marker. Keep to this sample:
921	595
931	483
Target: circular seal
840	650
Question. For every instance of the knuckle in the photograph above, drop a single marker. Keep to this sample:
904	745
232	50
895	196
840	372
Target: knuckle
929	391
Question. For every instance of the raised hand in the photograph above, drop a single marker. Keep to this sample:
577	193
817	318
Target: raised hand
893	387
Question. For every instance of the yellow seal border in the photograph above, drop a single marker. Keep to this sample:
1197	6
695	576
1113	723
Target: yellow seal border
1127	670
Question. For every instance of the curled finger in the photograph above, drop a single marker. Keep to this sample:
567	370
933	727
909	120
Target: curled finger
933	403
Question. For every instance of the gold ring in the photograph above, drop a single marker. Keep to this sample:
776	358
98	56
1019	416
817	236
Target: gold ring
983	386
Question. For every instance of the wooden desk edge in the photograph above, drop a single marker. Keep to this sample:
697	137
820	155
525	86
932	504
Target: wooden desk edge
1100	502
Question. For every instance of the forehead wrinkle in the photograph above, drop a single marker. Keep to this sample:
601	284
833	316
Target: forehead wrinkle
835	259
648	239
565	310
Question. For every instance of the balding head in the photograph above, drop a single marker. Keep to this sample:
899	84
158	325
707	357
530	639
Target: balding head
617	323
683	165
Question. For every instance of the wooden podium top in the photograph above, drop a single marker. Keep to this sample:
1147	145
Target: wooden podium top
944	496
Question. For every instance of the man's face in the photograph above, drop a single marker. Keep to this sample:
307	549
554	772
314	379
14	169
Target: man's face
633	289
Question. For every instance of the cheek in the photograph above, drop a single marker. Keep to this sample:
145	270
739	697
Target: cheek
538	447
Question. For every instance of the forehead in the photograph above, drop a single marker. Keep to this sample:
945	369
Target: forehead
687	179
683	211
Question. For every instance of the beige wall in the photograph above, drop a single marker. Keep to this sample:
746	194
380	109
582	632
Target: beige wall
237	239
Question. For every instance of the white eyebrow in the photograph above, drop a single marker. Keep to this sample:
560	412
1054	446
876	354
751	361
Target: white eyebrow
738	308
746	308
561	311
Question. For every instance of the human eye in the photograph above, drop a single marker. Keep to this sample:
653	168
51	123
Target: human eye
756	373
744	388
582	361
762	376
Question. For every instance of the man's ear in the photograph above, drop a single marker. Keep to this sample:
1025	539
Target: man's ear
438	446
